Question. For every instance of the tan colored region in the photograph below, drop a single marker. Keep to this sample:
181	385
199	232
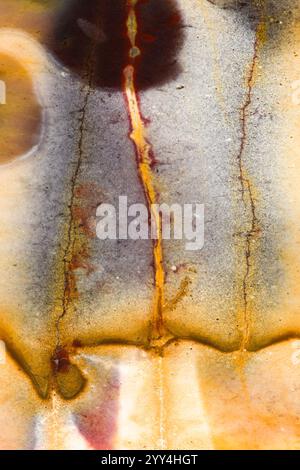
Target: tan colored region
31	16
211	410
21	110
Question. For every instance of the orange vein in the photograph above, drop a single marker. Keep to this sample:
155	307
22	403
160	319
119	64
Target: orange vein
144	161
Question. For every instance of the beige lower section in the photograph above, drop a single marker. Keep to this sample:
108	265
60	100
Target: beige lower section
191	397
234	401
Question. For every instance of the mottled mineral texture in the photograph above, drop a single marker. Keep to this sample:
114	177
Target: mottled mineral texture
136	344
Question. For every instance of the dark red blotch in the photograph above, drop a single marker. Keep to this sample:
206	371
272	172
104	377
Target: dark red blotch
60	361
99	425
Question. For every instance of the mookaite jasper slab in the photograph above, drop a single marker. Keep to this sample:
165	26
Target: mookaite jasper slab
130	344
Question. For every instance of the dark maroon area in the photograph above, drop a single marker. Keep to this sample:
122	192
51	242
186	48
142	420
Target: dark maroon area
60	361
90	38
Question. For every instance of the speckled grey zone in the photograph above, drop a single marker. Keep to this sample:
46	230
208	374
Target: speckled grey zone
41	212
262	160
109	162
200	163
49	184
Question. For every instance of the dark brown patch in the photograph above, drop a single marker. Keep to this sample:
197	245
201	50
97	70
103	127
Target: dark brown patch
60	361
20	111
90	38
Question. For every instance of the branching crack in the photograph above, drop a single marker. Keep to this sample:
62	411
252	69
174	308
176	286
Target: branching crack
246	187
71	235
68	279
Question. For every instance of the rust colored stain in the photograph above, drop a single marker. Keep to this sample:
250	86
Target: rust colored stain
89	197
19	109
99	425
181	293
85	199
